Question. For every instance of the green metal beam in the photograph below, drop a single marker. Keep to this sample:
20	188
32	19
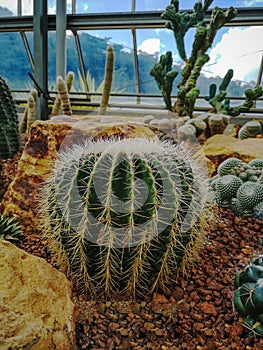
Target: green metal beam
247	16
41	55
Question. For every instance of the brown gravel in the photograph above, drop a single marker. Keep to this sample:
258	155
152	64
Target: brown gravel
196	313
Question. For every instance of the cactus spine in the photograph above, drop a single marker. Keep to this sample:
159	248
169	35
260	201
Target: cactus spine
109	69
121	216
9	133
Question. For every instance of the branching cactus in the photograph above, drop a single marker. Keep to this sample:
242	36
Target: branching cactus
122	215
164	76
180	23
248	296
9	133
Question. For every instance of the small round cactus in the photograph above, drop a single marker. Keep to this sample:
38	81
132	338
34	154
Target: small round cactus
227	186
250	194
122	215
229	165
239	186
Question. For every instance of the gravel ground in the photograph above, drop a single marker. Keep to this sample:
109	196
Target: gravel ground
196	313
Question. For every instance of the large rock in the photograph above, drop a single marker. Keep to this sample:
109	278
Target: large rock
219	147
46	139
36	310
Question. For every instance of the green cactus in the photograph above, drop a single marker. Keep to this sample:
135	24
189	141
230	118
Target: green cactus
239	186
250	129
216	99
121	216
229	166
180	23
250	194
227	186
257	163
10	229
164	76
251	96
258	211
9	129
108	77
30	110
62	101
248	296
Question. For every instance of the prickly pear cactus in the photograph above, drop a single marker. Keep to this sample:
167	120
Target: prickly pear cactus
248	296
121	216
9	134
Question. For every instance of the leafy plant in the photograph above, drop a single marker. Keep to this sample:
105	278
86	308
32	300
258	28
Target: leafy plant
123	215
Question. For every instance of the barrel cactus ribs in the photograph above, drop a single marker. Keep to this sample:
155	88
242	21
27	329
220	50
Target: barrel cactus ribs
122	215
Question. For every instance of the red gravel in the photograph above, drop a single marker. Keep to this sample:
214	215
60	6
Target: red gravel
196	313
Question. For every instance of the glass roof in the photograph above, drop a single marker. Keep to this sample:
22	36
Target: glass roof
106	6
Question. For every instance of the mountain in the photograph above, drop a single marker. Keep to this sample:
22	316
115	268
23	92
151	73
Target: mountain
14	64
5	12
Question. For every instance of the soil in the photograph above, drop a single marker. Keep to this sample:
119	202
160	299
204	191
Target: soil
195	313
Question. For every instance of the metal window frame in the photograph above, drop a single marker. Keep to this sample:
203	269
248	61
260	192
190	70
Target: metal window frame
40	23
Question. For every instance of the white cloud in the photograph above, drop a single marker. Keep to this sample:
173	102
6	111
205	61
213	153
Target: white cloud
27	6
248	3
150	46
239	49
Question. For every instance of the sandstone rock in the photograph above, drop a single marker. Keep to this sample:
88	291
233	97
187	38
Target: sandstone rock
46	139
219	147
36	310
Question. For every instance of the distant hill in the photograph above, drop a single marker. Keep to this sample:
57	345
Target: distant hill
14	64
5	12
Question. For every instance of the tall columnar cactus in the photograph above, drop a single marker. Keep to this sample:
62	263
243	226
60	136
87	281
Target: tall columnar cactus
121	216
29	115
62	101
248	296
164	76
9	133
108	77
180	23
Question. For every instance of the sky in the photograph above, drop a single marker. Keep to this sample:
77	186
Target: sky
238	48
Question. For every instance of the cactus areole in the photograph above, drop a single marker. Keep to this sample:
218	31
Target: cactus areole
122	215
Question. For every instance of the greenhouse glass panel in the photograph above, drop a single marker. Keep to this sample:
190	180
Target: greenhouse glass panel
8	8
103	6
149	5
94	45
27	7
14	63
